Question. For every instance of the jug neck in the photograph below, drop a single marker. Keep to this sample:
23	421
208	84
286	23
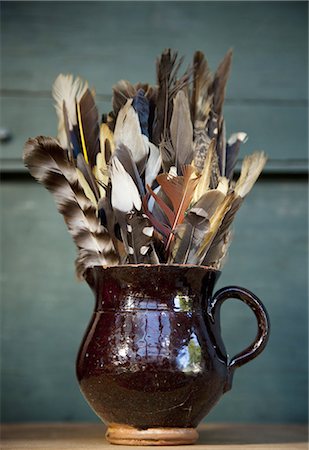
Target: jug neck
151	287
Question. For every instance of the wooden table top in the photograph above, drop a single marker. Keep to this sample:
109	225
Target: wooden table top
82	436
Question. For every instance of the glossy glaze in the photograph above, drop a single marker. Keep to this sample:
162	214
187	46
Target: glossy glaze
152	355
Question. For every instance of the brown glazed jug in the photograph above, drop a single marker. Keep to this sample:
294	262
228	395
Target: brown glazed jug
152	363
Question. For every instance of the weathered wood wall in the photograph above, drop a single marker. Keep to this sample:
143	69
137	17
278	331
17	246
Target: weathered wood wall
44	310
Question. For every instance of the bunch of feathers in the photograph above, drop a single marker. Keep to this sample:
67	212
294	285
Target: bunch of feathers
153	183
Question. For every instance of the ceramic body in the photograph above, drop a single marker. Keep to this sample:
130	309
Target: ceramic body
152	355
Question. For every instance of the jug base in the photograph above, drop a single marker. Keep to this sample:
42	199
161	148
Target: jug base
128	435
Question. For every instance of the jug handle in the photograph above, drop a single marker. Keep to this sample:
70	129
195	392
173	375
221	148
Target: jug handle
255	304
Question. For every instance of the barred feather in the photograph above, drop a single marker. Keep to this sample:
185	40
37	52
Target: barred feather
48	163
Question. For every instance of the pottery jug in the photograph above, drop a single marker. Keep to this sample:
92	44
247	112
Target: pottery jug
152	363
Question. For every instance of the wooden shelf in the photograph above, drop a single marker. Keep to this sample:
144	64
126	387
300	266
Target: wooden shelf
63	436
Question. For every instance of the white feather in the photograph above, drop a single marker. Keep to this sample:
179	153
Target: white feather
153	164
125	195
251	168
128	132
240	136
69	90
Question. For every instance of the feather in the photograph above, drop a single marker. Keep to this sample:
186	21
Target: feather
86	188
160	226
214	224
69	144
168	86
125	195
153	164
232	151
200	148
179	190
200	217
217	252
221	241
200	100
108	221
100	170
218	86
140	234
128	132
89	176
106	141
88	122
124	155
221	147
122	91
251	169
48	163
167	152
66	90
101	175
188	236
181	131
204	180
213	129
141	106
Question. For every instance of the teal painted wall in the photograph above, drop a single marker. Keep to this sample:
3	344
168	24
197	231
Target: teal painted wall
44	311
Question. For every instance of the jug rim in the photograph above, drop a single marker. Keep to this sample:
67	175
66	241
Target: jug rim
183	266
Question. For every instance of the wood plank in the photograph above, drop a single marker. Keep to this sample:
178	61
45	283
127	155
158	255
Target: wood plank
106	41
279	130
216	436
45	311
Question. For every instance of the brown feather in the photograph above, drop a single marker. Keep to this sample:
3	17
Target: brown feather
218	86
90	124
181	131
179	190
201	81
168	86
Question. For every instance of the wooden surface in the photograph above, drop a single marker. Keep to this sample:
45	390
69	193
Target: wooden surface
212	437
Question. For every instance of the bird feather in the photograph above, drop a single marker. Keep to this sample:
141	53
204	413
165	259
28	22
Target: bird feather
232	150
48	163
179	190
140	234
200	104
181	131
88	122
67	90
128	132
218	86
